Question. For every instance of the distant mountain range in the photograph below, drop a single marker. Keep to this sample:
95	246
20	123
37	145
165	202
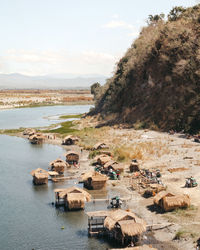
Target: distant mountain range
57	81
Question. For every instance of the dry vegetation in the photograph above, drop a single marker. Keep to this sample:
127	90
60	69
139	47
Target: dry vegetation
156	83
32	98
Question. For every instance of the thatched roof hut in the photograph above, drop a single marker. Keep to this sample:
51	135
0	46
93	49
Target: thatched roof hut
29	131
70	140
40	176
125	225
100	145
72	157
114	165
94	180
73	197
158	198
36	138
168	201
58	165
103	159
177	201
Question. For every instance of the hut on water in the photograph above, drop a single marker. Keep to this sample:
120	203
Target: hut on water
72	198
58	165
94	180
70	140
36	138
100	145
72	157
168	201
40	176
124	226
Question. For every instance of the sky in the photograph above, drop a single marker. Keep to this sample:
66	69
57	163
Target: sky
42	37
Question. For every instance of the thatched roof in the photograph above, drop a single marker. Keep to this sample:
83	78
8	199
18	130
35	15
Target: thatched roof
160	196
39	171
66	191
76	197
109	223
71	153
125	217
103	159
38	136
53	173
130	228
110	163
100	145
177	201
70	137
102	213
94	175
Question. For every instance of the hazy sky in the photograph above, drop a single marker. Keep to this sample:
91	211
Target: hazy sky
41	37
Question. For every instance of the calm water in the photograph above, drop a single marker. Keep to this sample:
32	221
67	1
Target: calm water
27	218
37	117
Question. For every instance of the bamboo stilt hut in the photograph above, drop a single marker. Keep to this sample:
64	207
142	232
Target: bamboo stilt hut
125	226
114	165
40	176
103	159
72	198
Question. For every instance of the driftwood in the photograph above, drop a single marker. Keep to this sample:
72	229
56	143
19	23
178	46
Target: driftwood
158	226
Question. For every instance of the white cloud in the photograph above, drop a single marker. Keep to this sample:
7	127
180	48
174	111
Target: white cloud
36	62
133	30
117	23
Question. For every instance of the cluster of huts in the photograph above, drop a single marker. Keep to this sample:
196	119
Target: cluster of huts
122	226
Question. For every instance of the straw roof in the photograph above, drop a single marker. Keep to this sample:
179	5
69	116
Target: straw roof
96	176
100	145
109	223
71	152
75	197
103	159
39	171
160	196
110	164
66	191
74	138
101	213
130	228
119	215
53	173
177	201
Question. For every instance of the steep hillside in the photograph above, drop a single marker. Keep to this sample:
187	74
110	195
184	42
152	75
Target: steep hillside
157	82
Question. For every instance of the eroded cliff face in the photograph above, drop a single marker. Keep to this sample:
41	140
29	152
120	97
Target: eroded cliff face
157	82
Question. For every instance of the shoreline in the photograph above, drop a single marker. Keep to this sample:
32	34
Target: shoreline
138	203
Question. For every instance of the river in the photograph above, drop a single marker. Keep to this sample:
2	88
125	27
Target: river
28	219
